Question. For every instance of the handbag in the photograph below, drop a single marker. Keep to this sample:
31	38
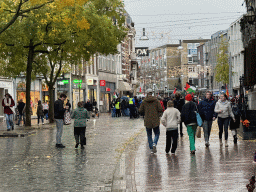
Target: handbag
199	120
67	118
198	132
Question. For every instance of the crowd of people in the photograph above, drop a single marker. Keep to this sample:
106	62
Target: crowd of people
178	111
171	112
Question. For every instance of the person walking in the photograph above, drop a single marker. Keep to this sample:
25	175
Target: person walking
46	109
117	106
59	111
171	119
8	103
132	107
178	104
80	115
152	110
21	108
88	106
68	106
188	116
206	111
40	113
234	125
223	108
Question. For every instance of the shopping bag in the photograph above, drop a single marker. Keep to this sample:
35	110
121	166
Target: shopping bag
67	118
199	120
198	132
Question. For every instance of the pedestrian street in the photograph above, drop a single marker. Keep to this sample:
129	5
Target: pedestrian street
210	169
33	163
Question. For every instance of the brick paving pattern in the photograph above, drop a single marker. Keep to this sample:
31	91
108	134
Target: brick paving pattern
210	169
34	164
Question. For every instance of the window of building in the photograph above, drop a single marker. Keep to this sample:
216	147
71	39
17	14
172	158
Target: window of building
191	69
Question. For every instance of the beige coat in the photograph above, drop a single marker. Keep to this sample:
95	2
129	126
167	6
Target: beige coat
153	110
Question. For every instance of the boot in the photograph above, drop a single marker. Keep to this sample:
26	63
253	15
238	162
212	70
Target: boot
235	139
221	142
226	143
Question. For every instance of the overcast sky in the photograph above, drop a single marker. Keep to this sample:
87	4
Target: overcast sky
167	21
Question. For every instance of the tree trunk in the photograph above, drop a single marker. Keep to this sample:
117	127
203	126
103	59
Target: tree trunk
51	105
28	82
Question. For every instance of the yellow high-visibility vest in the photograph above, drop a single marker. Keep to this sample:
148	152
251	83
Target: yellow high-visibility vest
130	101
117	105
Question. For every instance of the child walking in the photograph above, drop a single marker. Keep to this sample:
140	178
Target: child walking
171	119
80	115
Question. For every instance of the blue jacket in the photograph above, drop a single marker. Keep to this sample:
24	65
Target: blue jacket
206	109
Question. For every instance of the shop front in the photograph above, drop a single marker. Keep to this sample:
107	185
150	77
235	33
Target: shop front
92	89
6	86
106	96
78	90
35	93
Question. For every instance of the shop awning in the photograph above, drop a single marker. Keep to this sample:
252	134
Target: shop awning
124	86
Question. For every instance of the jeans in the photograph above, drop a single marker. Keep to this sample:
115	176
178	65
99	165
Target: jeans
171	140
79	133
9	121
181	133
40	117
149	133
20	117
223	122
207	126
191	129
59	126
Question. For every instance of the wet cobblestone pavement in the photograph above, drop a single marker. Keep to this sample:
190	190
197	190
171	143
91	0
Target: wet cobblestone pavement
34	164
217	168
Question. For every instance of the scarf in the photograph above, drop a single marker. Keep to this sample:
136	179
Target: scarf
7	104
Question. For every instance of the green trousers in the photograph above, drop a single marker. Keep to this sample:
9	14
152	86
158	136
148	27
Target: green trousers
191	129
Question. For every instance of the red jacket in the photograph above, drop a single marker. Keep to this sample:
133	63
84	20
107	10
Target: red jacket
7	109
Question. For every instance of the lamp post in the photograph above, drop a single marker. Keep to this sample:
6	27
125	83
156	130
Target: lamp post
250	17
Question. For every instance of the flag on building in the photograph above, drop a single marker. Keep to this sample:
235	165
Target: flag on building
140	89
190	89
174	92
227	93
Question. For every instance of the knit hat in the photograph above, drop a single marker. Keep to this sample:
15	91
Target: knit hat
188	97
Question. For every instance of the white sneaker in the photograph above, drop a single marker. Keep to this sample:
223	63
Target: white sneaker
43	123
154	148
173	153
226	143
151	151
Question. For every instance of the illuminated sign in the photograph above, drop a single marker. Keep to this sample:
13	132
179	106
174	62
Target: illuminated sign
102	83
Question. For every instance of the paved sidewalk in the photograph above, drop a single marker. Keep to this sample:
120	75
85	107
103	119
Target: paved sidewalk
210	169
34	164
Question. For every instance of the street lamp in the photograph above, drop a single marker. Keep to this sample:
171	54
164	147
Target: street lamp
144	37
250	17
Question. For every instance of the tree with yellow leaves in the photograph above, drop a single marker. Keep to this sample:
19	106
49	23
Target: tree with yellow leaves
63	31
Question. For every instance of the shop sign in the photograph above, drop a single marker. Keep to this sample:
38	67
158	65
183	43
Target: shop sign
102	83
77	81
89	81
108	89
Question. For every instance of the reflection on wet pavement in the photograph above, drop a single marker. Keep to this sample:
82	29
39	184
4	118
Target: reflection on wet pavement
217	168
34	164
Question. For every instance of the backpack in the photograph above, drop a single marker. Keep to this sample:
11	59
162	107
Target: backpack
235	110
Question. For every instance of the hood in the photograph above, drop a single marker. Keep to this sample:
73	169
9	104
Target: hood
150	99
223	103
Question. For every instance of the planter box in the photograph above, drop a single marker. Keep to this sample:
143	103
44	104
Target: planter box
248	133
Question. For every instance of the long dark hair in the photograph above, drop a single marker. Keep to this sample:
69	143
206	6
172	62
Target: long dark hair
225	95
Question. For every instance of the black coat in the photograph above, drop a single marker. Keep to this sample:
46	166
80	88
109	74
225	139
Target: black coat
59	110
206	109
178	104
20	107
188	114
88	106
